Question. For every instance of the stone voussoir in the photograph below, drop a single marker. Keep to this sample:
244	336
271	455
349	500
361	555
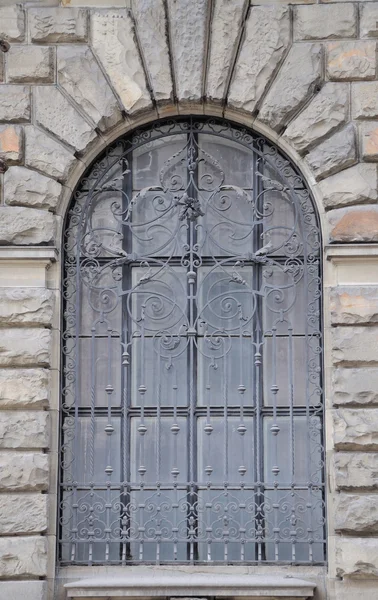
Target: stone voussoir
15	104
354	345
356	557
12	23
24	388
30	64
24	429
25	347
23	471
26	226
351	61
356	514
46	154
357	386
26	306
24	187
334	154
23	557
52	25
356	185
11	143
355	429
354	305
321	21
23	513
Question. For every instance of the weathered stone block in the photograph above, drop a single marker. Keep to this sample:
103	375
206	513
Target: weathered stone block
12	23
295	83
356	513
24	388
353	224
26	64
352	346
321	21
355	185
57	115
15	103
369	20
351	60
23	557
354	305
327	111
11	142
267	37
365	100
113	41
26	306
356	557
58	25
23	513
47	155
355	429
82	78
334	154
23	471
24	429
26	347
23	187
369	140
24	226
355	386
354	471
30	590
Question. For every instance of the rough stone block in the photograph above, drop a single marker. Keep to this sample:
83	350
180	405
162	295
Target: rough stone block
30	64
12	23
83	80
58	25
58	116
354	305
365	100
23	513
352	346
46	154
225	27
369	140
11	143
24	226
356	471
113	41
356	557
355	386
351	60
334	154
151	25
26	306
321	21
327	111
24	388
356	185
15	103
23	557
266	39
29	590
23	471
356	513
295	83
23	187
353	224
24	429
355	429
369	20
26	347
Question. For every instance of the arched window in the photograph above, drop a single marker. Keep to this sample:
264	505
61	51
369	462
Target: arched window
192	426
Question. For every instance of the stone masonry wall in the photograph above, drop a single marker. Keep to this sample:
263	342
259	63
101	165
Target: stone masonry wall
76	74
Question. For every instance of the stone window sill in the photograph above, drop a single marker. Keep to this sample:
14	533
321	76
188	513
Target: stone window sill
198	585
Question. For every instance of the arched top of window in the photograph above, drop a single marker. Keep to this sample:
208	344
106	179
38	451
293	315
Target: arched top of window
192	404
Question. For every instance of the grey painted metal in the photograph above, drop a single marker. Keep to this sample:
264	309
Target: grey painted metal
192	412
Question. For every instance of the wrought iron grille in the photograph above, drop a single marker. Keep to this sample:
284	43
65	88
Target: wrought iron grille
192	413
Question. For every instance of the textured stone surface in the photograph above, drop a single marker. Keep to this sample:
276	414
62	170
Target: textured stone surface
369	20
356	557
267	37
325	22
82	78
225	28
57	115
328	110
369	140
353	224
24	347
11	143
355	185
351	60
23	226
26	306
23	557
365	99
30	590
23	471
23	513
355	429
356	513
355	386
58	24
354	345
27	64
44	153
354	471
12	23
113	42
24	388
151	25
24	429
295	82
23	187
188	42
15	103
354	305
334	154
